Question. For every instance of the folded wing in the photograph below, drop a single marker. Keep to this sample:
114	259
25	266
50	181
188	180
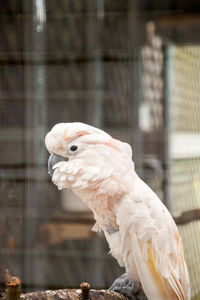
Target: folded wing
155	284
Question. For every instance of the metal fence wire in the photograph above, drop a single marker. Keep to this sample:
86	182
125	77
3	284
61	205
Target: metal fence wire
184	107
65	61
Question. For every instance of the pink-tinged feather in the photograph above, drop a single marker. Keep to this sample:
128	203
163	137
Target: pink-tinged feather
139	229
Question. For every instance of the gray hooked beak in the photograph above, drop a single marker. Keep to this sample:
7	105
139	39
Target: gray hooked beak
54	159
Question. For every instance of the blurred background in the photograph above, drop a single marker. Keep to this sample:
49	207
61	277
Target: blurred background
131	68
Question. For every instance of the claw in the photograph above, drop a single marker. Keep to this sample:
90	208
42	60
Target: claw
130	289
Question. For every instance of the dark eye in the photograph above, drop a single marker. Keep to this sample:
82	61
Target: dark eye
74	148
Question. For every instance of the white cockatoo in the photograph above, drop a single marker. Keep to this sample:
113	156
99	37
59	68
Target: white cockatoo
139	229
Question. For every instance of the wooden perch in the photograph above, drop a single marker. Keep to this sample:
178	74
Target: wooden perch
74	294
85	291
13	292
13	287
68	294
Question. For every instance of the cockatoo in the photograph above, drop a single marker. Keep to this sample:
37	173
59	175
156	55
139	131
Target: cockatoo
141	233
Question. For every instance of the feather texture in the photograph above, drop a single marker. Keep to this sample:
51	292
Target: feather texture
139	229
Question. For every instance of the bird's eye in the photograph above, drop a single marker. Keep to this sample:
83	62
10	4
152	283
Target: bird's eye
73	148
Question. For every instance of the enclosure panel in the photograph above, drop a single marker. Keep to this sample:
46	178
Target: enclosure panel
184	158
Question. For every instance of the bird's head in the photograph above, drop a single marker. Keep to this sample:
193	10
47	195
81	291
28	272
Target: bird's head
83	156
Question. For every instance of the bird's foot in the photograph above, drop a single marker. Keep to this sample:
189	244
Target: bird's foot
130	289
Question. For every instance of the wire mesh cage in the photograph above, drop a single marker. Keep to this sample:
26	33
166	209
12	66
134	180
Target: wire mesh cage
98	62
184	146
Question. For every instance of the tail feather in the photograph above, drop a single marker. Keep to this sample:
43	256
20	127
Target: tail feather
175	284
155	285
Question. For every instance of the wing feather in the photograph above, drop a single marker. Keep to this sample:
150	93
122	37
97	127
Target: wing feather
154	283
155	244
175	284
